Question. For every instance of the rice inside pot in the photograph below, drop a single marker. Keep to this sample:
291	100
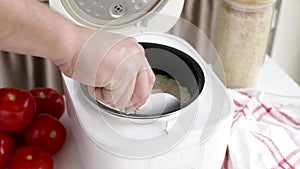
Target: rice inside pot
171	86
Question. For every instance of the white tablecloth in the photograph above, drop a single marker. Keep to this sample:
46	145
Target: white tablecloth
265	132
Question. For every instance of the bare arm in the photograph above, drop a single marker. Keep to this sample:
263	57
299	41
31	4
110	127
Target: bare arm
30	27
122	76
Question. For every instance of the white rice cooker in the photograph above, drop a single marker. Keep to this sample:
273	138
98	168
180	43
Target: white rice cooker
192	136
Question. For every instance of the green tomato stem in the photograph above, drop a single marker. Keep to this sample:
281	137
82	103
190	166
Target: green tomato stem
52	134
12	97
29	157
42	95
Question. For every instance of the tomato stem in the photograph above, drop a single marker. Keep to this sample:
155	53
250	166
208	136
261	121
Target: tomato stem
53	134
12	97
42	95
29	157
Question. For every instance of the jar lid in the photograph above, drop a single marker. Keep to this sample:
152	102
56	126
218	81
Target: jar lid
251	4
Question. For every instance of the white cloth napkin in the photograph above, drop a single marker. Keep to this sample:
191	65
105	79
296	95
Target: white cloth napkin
265	132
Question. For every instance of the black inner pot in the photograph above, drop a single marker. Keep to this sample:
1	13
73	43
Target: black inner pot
174	64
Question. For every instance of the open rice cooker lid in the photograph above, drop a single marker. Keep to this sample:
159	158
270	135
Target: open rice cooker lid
122	16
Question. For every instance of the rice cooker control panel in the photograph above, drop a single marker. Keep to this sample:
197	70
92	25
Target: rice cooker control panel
112	9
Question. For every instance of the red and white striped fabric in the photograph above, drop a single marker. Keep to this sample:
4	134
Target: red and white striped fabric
265	132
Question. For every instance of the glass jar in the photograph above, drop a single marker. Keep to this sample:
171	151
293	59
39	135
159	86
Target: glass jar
241	39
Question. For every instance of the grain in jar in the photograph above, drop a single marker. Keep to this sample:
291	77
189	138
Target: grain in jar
241	39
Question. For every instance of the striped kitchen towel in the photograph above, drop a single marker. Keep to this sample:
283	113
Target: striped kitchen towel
265	132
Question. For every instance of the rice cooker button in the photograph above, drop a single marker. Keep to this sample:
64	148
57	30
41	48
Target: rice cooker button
118	10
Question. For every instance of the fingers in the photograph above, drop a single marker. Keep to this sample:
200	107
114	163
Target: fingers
142	89
134	96
101	94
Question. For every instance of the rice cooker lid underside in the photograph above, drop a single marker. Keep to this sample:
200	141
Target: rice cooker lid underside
124	16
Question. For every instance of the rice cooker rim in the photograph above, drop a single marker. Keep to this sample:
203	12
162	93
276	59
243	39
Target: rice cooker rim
188	60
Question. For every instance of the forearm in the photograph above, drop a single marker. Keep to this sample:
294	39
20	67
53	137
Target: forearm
119	74
30	27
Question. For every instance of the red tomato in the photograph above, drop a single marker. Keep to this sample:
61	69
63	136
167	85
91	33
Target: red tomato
7	147
46	131
17	109
31	157
48	101
18	138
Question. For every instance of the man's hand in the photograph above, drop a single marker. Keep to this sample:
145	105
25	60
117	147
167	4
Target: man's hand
115	69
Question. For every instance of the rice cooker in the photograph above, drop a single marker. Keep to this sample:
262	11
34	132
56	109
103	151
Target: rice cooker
191	136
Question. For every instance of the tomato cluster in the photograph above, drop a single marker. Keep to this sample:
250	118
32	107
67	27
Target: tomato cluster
30	130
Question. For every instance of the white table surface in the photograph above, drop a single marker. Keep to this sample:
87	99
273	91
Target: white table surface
272	79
